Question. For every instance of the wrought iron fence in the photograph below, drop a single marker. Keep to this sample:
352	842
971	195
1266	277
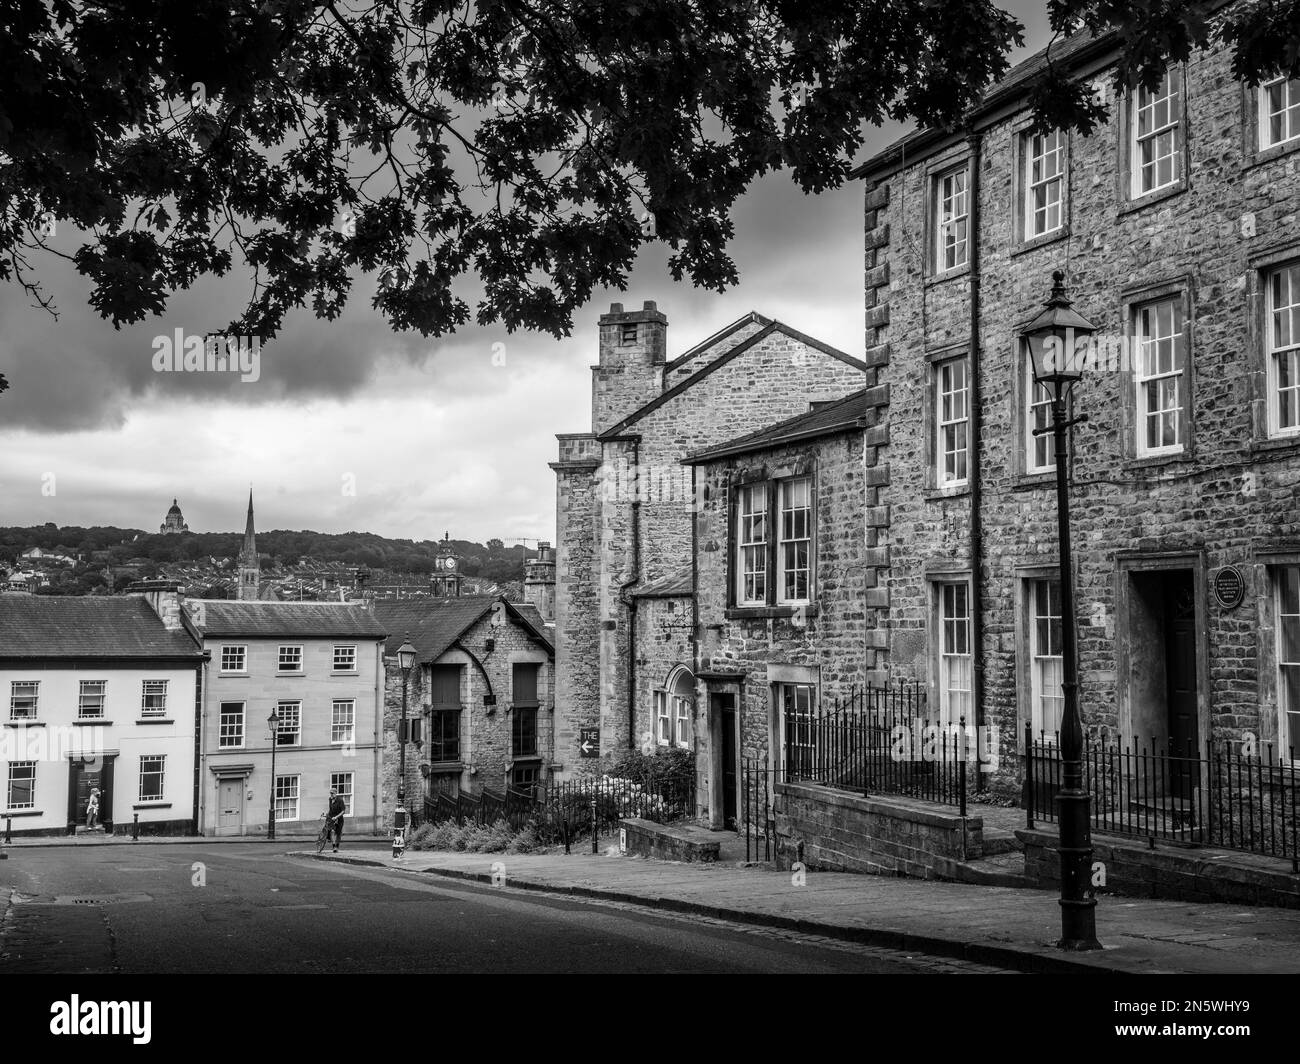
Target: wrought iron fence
564	810
878	740
1228	798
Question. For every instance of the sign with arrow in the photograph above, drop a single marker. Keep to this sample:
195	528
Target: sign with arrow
589	742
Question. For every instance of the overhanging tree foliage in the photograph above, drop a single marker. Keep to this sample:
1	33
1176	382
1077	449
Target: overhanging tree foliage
530	145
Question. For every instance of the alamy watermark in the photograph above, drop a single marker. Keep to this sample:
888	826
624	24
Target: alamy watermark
179	353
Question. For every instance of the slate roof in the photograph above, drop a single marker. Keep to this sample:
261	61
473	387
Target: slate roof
311	620
670	586
82	626
433	625
843	415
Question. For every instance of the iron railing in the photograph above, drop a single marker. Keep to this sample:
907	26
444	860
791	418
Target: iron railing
880	741
1235	799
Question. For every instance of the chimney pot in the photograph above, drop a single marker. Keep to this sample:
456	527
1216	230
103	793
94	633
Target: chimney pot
649	305
616	308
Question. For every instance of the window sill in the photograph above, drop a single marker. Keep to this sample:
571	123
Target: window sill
1149	199
15	813
291	675
939	494
1158	461
446	766
21	723
746	613
156	720
90	722
947	275
1030	481
1033	243
345	672
525	758
1264	156
229	749
152	805
1275	443
224	674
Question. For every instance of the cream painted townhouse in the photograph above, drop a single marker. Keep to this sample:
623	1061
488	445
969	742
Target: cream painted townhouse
315	666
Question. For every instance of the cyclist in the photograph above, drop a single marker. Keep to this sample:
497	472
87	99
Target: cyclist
334	818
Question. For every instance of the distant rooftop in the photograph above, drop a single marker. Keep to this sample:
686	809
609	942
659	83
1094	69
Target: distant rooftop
82	626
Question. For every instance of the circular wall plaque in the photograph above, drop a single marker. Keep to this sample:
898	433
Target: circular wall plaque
1229	587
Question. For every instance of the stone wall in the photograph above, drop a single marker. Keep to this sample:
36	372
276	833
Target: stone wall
1227	499
832	638
1132	869
836	831
664	626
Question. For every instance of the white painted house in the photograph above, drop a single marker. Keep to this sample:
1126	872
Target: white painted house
98	692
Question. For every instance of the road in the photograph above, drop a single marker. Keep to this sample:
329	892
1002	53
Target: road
252	908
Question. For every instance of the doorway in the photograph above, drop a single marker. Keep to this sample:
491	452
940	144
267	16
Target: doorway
1164	673
88	777
230	807
722	707
85	774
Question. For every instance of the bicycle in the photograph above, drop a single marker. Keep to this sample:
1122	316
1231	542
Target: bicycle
323	839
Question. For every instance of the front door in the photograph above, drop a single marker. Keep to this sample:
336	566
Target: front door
88	779
1180	680
230	807
724	705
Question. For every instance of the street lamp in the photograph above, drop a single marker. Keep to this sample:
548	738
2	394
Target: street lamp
1059	341
405	659
273	721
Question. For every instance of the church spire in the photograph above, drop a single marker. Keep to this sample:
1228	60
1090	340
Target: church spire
250	543
250	575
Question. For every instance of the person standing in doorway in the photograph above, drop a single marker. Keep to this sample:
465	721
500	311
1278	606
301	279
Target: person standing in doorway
92	809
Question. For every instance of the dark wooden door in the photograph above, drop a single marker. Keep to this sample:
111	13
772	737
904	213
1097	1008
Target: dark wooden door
1180	682
87	780
726	708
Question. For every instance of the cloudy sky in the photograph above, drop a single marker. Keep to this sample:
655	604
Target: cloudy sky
353	427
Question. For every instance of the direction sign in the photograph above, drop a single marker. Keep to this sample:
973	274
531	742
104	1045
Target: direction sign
589	742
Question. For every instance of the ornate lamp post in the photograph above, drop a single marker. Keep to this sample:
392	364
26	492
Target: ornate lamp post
273	722
405	659
1059	342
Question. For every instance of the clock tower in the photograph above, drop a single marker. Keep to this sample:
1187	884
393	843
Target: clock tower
446	571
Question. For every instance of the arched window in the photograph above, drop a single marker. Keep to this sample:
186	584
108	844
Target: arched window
673	706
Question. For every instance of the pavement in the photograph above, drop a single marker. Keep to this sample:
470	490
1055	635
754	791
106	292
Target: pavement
1000	926
1004	927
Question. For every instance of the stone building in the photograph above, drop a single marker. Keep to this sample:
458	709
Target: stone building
481	691
173	523
784	586
1175	224
624	501
539	582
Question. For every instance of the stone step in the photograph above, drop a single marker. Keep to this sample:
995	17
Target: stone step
1002	870
997	841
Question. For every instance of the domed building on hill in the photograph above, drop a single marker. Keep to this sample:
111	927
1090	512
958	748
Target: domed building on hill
174	522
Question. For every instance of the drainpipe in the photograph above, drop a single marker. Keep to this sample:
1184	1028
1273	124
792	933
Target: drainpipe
630	603
976	521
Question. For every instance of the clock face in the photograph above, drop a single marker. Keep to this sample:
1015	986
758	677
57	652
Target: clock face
451	563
